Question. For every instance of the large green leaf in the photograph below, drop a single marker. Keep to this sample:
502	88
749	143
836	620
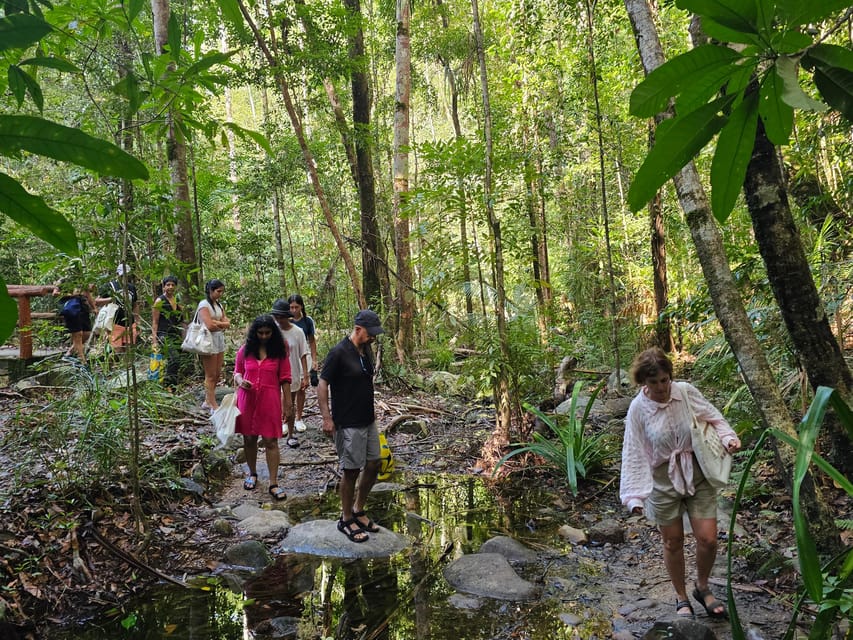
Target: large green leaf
806	548
173	37
650	97
836	87
675	147
16	83
258	138
8	313
798	12
793	93
231	13
45	138
777	116
704	87
828	55
33	213
723	34
20	30
734	149
740	15
60	64
833	75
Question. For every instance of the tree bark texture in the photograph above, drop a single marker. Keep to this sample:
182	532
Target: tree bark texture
176	154
405	298
373	258
728	304
793	286
663	325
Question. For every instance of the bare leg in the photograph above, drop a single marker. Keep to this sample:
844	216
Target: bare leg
250	448
365	484
77	346
673	558
300	404
291	414
273	457
705	533
211	365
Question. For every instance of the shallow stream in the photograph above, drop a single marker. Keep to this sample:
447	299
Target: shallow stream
404	597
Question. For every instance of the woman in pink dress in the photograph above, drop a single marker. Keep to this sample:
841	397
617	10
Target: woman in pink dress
262	374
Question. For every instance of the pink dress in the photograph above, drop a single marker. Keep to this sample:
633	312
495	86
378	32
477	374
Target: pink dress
260	406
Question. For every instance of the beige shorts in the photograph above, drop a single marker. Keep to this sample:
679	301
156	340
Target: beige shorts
665	505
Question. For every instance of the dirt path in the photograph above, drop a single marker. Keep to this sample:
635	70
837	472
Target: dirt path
64	557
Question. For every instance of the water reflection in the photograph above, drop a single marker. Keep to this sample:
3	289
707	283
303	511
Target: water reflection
400	598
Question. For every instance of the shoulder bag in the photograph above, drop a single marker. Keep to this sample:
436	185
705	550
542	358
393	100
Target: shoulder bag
105	319
198	338
715	460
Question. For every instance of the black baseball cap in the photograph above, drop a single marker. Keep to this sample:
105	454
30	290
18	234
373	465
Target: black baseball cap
281	307
369	321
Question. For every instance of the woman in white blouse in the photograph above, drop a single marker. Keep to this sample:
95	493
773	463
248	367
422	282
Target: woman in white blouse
660	473
212	314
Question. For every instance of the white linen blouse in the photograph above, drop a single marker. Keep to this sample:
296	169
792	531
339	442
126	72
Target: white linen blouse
658	433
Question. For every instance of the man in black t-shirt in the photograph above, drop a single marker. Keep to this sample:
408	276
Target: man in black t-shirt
347	379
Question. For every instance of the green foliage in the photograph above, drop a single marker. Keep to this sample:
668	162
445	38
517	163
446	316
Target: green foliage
571	452
81	440
829	587
759	80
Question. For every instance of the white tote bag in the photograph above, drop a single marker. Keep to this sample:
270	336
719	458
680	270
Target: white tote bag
713	457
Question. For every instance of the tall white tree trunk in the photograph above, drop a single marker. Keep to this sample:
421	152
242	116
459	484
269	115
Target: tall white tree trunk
405	299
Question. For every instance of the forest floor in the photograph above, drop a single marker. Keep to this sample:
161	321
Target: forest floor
67	556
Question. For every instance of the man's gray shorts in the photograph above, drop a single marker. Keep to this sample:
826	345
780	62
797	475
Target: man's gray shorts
357	445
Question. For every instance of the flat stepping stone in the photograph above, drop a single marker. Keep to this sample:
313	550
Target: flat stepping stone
489	575
322	538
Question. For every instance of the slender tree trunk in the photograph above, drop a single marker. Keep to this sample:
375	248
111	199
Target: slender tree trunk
229	135
342	126
176	152
503	405
663	325
405	299
307	156
614	328
727	302
793	286
450	76
373	258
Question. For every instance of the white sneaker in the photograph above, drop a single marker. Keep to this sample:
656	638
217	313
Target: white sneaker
300	426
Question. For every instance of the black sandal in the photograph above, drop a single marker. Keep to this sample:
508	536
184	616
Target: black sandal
277	492
371	526
710	608
358	535
250	482
684	604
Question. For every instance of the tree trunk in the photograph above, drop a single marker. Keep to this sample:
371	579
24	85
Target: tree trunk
614	328
663	325
405	299
460	183
176	153
373	257
790	277
727	302
307	156
500	436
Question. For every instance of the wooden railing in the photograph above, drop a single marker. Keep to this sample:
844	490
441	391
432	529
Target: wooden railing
22	293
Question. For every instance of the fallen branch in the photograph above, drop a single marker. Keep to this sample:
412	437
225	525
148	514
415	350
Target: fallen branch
130	558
